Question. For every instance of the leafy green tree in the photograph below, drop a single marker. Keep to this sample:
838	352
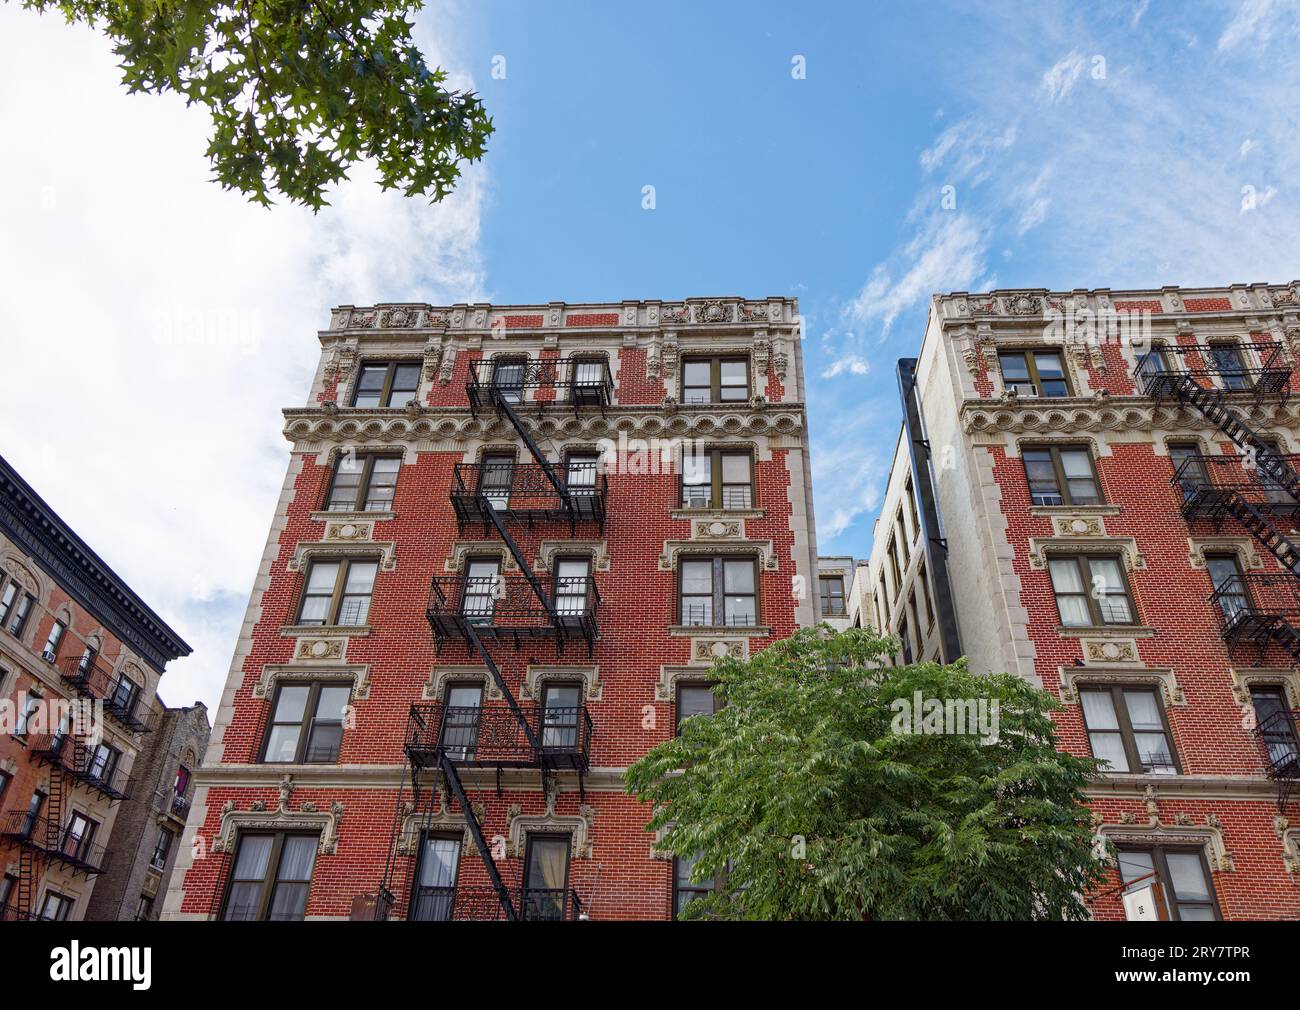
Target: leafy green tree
805	793
298	90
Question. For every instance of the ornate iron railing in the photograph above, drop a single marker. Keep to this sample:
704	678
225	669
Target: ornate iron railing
482	904
507	606
1257	368
1279	740
1206	482
1249	606
575	382
79	762
491	735
56	842
525	491
123	700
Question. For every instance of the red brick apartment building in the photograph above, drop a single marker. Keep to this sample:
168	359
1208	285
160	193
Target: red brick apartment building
70	631
1098	491
482	599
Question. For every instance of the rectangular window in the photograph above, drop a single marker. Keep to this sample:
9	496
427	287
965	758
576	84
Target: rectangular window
1276	725
572	589
715	380
56	907
161	849
1189	467
580	472
1230	589
496	478
1225	358
718	591
695	698
910	493
906	556
1061	475
460	720
561	713
271	878
894	566
434	897
1034	373
831	588
924	579
1091	590
546	878
51	651
588	382
34	702
387	384
144	910
79	836
718	479
363	483
103	763
483	584
1183	876
123	693
686	890
307	723
18	619
1127	729
338	592
5	779
905	637
7	597
508	378
8	891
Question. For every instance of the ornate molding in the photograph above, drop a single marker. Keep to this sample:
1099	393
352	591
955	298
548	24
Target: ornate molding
1242	547
669	676
1040	548
1072	677
1073	415
578	826
1243	678
462	549
415	822
548	549
320	650
762	549
1110	650
386	551
356	675
1290	843
348	425
435	688
257	818
537	675
1183	832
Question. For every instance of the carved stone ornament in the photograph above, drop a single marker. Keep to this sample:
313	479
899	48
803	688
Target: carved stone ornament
1075	677
1189	835
669	676
320	650
258	818
706	650
1110	650
1290	843
435	688
353	676
579	827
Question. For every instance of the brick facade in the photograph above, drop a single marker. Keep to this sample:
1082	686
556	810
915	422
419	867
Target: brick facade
627	673
1222	794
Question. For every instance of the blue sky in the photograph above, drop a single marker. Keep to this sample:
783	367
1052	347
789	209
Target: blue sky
160	324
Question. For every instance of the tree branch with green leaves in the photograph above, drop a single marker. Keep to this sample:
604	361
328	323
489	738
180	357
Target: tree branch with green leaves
298	91
808	799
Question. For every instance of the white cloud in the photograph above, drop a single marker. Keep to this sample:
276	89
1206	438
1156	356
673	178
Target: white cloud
155	325
1059	81
1247	146
1253	23
848	363
1138	12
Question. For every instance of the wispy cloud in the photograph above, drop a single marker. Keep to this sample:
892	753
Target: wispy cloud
1060	80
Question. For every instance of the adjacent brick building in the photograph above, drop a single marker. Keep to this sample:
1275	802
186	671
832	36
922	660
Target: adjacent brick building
1098	491
492	582
71	631
148	829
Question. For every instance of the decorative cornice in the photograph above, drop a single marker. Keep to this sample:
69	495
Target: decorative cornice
354	675
257	818
1109	413
39	531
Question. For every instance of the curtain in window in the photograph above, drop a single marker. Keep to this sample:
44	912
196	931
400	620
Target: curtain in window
294	879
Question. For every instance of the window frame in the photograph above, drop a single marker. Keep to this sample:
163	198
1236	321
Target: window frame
1031	371
1160	866
716	485
306	725
361	499
1085	573
1125	729
16	620
271	876
345	564
50	652
386	391
167	833
530	840
65	905
1058	471
824	596
715	886
693	685
715	362
718	591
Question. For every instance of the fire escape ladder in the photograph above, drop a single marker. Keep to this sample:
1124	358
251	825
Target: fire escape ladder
502	686
503	405
520	560
1282	547
1212	405
448	767
54	809
27	869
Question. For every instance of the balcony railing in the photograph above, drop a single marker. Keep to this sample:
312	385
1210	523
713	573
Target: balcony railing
1208	486
123	701
179	806
506	606
1255	608
58	843
574	382
482	904
79	762
491	735
1279	739
1253	368
523	491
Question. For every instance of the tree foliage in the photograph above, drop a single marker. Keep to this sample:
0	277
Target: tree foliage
298	90
894	825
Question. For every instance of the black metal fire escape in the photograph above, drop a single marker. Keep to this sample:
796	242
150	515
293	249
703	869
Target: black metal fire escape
513	738
1259	488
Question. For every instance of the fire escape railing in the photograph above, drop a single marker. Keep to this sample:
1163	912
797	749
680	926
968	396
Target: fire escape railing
75	758
525	492
1258	369
54	841
477	904
491	735
507	607
1215	488
123	701
1259	609
540	382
